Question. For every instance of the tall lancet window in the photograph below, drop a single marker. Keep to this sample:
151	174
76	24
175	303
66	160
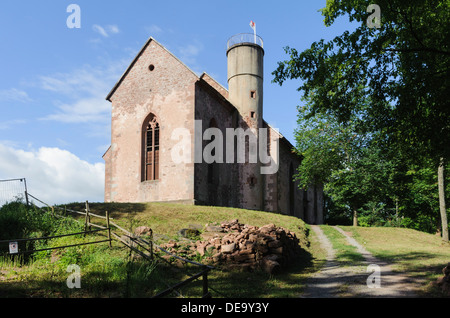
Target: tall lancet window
151	149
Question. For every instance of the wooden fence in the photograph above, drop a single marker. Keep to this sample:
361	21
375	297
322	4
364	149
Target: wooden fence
13	243
150	246
131	242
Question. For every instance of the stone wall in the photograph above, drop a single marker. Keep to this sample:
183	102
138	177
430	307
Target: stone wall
216	184
167	90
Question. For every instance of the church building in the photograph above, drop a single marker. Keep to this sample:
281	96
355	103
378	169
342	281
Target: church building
180	137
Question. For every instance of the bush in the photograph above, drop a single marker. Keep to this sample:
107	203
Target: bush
14	224
13	221
18	221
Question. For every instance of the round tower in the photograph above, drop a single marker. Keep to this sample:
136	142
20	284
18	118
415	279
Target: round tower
245	56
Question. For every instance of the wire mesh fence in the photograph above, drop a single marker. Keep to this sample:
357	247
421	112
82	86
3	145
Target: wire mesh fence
13	190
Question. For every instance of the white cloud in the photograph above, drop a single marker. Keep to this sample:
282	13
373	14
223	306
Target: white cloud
107	30
11	123
94	109
54	175
83	93
153	29
113	29
188	55
81	81
189	52
14	94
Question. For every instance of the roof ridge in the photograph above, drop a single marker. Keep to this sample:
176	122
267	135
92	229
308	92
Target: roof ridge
206	73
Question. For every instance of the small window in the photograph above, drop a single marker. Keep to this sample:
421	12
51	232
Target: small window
253	94
151	67
252	114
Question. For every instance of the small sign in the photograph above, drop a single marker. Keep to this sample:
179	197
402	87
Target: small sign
13	248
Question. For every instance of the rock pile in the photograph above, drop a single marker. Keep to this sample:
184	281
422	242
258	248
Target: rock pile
444	282
244	247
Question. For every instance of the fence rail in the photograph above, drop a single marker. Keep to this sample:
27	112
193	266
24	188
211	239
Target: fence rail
203	273
88	224
148	245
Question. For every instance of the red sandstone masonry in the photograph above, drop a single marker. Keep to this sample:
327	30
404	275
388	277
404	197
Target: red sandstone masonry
177	97
169	93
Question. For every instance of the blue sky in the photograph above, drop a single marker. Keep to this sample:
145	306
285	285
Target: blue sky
55	121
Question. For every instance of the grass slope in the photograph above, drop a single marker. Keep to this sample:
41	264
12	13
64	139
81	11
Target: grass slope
419	255
113	273
168	218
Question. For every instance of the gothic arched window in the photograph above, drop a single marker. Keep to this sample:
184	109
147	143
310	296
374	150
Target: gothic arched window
150	147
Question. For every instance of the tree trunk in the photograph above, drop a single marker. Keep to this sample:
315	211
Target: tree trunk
355	218
442	207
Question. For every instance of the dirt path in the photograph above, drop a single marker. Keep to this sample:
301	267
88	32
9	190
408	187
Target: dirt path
353	281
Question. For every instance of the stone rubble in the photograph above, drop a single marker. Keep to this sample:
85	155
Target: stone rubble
237	246
444	282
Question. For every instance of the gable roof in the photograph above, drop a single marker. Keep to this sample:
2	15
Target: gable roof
205	82
151	39
215	84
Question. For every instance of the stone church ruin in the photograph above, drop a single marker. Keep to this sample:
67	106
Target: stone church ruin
158	94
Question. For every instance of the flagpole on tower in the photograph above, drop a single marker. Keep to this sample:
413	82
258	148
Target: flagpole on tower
253	26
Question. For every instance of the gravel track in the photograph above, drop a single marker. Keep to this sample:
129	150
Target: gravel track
334	280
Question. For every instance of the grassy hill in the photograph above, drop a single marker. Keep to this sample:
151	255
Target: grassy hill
420	255
168	218
113	272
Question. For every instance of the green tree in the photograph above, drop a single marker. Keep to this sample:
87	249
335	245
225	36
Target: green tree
324	145
364	183
402	70
330	149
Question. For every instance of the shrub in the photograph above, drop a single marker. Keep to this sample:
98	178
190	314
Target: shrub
18	221
13	220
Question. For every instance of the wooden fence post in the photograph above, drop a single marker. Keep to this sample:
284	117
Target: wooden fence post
205	283
151	244
109	229
87	218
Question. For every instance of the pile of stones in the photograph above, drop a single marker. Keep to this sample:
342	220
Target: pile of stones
444	282
243	247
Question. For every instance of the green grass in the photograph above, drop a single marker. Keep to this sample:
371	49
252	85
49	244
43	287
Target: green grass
346	254
113	272
168	218
419	255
